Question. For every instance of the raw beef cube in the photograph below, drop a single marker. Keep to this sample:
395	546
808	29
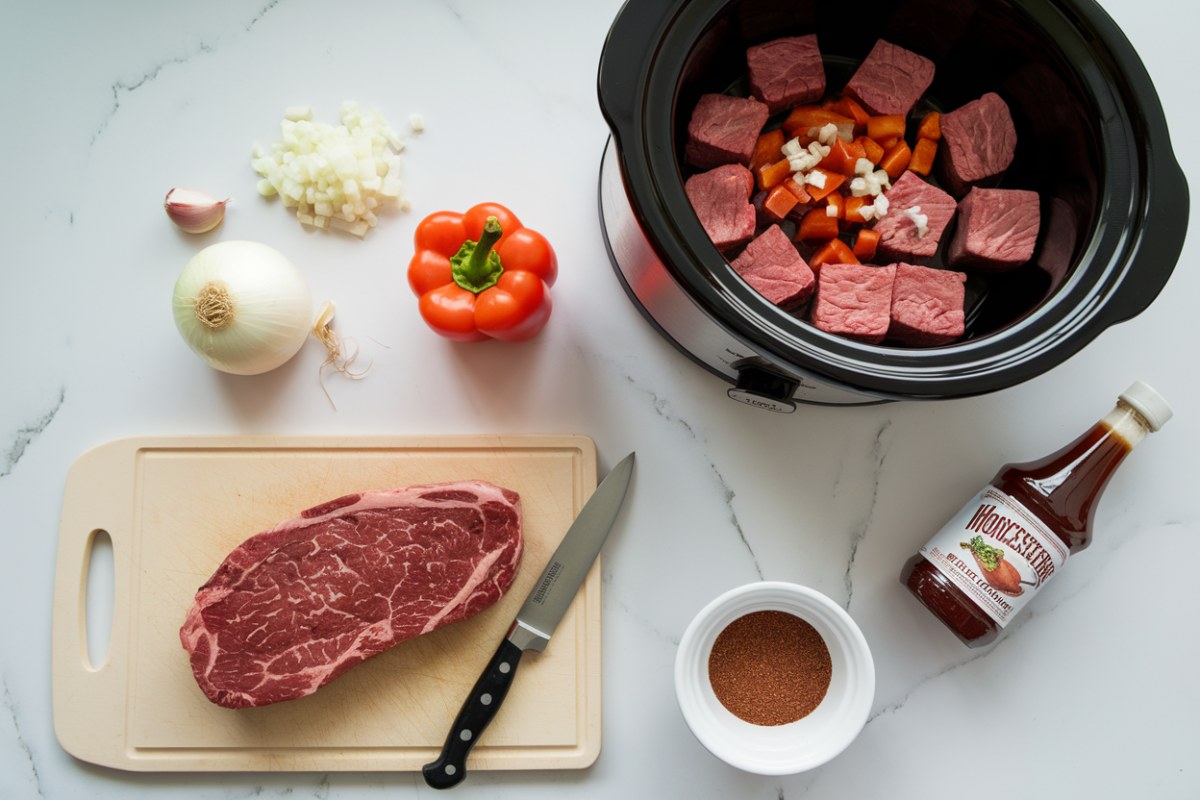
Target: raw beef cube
927	305
997	230
978	142
891	80
854	300
771	265
721	199
786	72
899	236
723	130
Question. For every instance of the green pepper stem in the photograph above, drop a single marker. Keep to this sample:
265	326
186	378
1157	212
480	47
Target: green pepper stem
476	269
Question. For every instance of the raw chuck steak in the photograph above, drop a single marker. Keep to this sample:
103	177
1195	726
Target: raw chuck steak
899	237
293	608
997	230
721	199
891	80
927	306
854	300
723	130
771	265
786	72
978	143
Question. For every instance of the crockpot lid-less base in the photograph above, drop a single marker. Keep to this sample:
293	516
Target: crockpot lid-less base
659	53
677	319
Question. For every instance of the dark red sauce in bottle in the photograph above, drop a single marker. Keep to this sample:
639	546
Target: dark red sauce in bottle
1061	490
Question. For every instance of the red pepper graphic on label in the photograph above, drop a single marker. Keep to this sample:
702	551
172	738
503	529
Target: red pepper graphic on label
1002	575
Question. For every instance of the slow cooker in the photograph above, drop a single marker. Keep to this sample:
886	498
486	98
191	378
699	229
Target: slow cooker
1092	141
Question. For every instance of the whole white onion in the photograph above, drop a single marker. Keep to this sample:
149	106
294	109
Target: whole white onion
243	307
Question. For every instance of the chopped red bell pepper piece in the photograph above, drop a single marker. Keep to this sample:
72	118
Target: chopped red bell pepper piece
779	202
922	156
843	156
931	127
767	149
832	181
796	188
887	127
896	160
817	224
835	201
852	210
835	252
769	176
872	149
865	244
848	107
803	118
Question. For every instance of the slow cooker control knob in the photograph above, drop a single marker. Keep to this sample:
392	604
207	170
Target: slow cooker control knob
765	389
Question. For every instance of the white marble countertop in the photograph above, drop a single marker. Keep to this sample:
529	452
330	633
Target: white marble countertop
112	104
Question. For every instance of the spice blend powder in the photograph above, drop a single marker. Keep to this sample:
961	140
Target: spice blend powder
770	668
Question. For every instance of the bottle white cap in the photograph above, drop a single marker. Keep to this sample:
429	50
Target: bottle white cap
1149	403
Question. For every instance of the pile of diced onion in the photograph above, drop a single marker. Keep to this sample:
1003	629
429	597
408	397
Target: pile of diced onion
334	176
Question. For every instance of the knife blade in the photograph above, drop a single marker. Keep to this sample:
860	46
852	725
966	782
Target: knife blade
544	607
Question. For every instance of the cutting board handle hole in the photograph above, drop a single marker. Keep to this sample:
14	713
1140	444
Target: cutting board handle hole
99	593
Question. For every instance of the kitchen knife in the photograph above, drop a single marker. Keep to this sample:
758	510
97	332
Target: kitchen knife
535	622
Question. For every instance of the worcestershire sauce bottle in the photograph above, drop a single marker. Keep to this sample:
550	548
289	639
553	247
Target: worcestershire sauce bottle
981	569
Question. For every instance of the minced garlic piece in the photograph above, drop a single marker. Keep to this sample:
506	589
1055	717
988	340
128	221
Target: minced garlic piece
918	219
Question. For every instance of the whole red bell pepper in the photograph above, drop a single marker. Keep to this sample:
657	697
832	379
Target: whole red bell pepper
482	275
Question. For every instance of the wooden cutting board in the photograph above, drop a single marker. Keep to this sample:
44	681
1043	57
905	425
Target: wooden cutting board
176	506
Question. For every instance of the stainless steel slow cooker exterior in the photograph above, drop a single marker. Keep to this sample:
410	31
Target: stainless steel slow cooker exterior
1131	231
682	322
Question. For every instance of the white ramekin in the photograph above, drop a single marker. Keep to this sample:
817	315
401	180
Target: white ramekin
780	749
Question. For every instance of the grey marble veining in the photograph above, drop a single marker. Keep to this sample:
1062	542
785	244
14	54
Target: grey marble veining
24	773
122	87
23	436
858	532
664	408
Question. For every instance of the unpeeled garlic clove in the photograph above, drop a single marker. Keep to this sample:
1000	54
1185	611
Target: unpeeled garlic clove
194	211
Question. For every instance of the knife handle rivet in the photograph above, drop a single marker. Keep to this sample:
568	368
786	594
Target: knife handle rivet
486	699
450	770
505	667
465	736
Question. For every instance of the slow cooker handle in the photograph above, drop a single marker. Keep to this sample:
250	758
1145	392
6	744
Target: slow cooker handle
763	388
1160	242
625	60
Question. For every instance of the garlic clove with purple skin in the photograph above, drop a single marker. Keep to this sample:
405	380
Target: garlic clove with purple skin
194	211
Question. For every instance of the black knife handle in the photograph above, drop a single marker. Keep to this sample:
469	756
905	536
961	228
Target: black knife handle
477	712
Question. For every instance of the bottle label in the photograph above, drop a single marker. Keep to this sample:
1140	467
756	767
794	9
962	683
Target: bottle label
997	552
